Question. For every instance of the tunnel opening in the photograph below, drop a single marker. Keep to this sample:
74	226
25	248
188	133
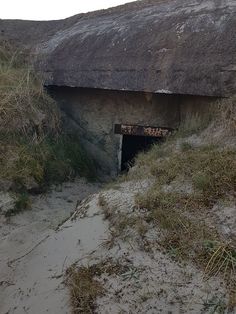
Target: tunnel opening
134	144
136	139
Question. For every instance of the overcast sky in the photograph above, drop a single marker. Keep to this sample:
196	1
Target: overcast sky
51	9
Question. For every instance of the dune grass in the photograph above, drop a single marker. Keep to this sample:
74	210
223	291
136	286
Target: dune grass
24	105
187	180
45	162
34	151
210	173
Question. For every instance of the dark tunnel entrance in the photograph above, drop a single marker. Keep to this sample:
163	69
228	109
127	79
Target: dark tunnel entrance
134	144
137	138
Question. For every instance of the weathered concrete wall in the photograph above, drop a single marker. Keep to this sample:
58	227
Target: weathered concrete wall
160	46
94	113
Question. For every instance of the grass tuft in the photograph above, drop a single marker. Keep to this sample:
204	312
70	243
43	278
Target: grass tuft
84	289
84	284
22	203
222	259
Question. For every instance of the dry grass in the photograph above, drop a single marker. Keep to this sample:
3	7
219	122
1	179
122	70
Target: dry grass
195	123
220	118
181	234
211	174
226	116
223	259
188	181
52	160
24	105
33	149
85	286
211	171
84	289
103	204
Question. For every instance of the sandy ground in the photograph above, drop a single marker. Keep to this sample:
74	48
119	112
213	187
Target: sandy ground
34	257
154	283
34	254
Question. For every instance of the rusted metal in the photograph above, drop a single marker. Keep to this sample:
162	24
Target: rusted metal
139	130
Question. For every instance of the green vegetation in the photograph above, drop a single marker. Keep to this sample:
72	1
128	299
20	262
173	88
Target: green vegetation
51	160
34	152
22	203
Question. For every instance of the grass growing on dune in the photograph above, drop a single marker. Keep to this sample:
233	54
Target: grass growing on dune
33	148
210	173
50	160
24	105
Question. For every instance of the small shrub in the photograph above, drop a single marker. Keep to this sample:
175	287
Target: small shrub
102	201
22	203
215	305
67	159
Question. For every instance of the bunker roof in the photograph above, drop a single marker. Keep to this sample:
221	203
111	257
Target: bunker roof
160	46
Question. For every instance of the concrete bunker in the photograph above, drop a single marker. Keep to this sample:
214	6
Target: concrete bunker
124	66
115	125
